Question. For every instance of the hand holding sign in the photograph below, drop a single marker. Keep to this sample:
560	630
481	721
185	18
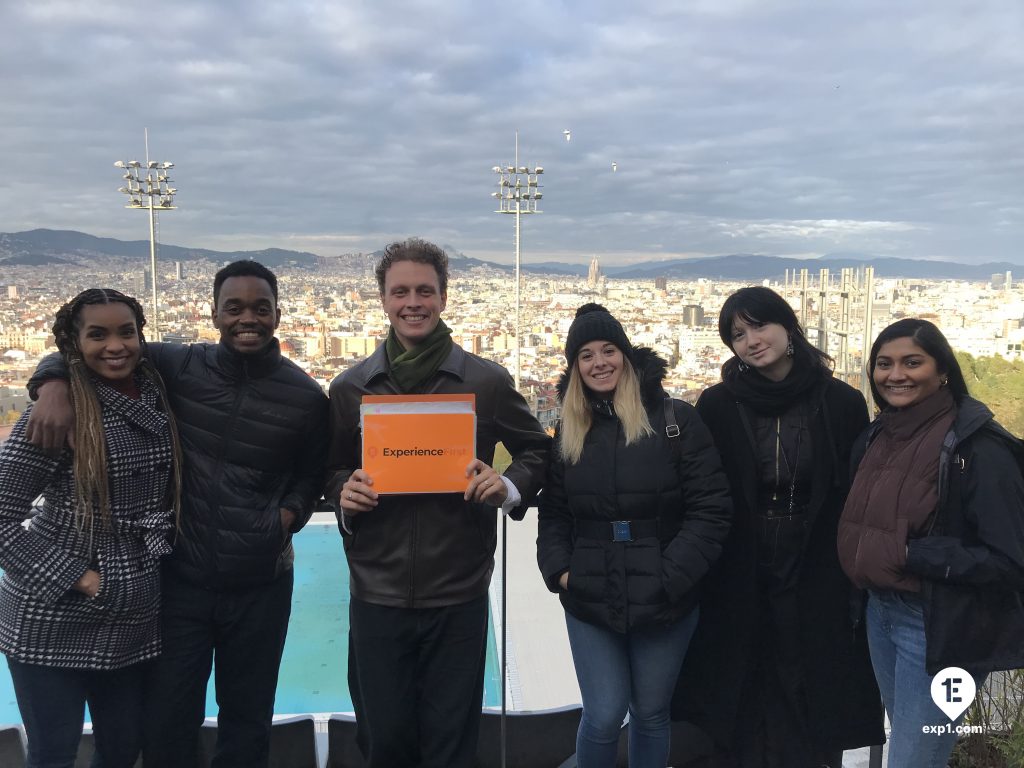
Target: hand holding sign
485	485
357	495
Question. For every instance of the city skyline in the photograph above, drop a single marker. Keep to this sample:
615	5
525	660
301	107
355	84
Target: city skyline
785	128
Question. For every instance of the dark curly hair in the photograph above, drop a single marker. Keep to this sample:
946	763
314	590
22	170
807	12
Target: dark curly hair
90	455
413	249
243	268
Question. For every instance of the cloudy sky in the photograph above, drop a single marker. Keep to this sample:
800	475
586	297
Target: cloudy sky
780	127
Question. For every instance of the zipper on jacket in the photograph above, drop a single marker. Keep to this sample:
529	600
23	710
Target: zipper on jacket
224	449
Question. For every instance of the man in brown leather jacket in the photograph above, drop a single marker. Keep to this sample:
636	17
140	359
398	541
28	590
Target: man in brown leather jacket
420	565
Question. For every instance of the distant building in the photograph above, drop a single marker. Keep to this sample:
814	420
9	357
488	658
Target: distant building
472	344
12	292
137	283
594	273
13	400
693	315
351	346
179	271
178	338
661	283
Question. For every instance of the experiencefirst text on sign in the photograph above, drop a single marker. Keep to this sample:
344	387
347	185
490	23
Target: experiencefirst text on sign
418	443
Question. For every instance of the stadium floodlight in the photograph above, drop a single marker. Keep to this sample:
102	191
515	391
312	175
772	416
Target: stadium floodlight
514	197
517	194
149	189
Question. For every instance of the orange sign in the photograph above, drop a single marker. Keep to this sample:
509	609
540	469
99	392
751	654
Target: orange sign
418	443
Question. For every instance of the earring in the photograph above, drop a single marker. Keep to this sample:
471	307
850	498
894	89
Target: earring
743	367
944	381
789	348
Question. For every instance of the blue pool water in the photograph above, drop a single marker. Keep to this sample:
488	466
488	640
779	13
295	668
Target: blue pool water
314	668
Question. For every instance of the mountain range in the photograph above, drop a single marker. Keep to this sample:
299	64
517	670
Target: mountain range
55	247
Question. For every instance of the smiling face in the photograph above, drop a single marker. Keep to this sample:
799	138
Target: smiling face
904	374
413	300
762	346
246	314
108	338
600	366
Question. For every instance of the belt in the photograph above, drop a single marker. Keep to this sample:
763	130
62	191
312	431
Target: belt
618	530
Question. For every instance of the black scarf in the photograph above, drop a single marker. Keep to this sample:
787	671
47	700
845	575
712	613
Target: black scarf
769	397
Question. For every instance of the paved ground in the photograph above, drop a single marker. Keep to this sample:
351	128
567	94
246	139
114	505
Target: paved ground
541	673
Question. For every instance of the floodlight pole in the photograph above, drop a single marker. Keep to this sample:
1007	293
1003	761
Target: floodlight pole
518	197
155	183
513	197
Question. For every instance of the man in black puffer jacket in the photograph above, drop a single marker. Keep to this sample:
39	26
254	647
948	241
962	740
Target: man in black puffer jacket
253	430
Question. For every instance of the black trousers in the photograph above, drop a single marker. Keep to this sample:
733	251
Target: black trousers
52	705
416	676
244	630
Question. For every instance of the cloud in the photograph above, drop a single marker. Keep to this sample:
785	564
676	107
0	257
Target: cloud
780	127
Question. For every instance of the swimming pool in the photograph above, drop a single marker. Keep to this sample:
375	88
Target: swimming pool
314	668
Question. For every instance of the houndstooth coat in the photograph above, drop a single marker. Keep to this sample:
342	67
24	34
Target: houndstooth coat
42	619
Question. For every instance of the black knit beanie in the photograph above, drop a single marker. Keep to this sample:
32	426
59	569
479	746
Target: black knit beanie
593	322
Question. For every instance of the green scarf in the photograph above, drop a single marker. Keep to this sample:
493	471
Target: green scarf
411	368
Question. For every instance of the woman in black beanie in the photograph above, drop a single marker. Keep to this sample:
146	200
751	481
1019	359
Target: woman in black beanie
633	513
778	672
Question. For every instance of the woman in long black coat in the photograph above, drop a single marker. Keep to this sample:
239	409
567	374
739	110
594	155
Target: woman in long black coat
778	674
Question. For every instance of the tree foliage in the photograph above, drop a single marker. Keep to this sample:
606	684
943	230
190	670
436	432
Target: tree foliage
999	384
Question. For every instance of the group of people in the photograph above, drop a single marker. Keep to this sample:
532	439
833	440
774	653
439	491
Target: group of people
767	566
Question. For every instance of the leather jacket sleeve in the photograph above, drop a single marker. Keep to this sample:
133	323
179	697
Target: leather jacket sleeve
528	444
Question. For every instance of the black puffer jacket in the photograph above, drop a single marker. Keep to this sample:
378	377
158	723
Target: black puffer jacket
653	579
254	435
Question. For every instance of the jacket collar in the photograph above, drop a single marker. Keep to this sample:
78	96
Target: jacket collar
244	366
144	413
376	365
971	415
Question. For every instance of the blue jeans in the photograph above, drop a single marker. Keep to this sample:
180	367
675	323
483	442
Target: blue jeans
52	705
897	642
634	672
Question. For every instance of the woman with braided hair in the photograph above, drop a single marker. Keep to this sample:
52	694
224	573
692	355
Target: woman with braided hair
80	593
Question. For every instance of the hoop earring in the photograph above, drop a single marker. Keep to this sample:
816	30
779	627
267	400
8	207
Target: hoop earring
944	381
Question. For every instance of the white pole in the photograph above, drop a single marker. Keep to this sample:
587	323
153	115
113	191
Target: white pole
518	277
155	332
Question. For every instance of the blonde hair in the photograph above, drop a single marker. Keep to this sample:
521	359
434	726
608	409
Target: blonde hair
92	494
577	417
